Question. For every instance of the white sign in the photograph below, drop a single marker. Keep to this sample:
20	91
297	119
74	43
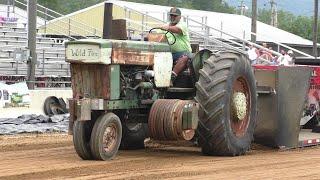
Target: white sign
88	53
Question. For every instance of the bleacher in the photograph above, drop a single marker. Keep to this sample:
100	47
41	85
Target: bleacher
50	53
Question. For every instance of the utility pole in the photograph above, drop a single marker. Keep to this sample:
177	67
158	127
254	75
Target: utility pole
32	33
241	8
315	29
274	14
254	21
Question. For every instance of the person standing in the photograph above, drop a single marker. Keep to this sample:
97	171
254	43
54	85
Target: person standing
253	54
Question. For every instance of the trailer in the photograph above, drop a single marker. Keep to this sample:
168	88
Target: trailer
288	106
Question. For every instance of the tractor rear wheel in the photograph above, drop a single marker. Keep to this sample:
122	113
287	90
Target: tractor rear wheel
133	135
226	93
81	139
106	136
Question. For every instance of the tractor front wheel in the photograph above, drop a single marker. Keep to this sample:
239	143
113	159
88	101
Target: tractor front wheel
106	136
81	139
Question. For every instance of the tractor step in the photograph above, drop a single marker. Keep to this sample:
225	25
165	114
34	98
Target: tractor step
176	89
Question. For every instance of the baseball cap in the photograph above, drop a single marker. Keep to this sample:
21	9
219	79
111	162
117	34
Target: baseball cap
175	11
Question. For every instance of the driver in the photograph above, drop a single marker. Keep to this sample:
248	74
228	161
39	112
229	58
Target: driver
181	49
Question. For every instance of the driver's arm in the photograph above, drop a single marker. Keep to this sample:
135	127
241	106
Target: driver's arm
173	29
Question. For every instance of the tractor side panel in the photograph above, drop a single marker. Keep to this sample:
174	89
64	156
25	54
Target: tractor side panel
90	80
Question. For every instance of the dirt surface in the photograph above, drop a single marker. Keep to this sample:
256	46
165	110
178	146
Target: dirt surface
53	157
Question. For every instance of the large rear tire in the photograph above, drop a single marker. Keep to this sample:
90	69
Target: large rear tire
226	93
81	139
106	136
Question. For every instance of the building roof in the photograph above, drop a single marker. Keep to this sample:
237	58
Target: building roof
19	16
235	25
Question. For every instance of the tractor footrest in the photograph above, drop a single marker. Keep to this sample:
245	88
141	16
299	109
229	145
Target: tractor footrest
176	89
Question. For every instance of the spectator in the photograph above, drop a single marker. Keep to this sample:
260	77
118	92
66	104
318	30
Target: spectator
252	53
293	58
264	53
281	57
287	59
265	57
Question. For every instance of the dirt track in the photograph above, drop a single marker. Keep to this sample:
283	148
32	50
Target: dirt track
53	157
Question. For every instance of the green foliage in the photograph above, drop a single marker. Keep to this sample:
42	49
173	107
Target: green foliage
299	25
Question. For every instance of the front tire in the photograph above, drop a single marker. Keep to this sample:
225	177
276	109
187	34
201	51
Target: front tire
106	136
226	93
81	139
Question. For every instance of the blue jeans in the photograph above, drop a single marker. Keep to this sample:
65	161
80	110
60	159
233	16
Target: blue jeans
177	55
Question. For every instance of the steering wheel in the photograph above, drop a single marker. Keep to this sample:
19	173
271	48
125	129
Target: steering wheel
165	33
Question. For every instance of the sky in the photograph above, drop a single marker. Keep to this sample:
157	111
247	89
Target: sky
297	7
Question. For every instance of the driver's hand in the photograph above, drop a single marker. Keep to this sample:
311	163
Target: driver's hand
165	28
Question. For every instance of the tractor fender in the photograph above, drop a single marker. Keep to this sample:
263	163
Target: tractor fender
198	59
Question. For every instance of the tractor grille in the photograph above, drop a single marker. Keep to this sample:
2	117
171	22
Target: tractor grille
90	80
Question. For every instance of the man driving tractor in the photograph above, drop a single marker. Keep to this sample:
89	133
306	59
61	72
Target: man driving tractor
181	49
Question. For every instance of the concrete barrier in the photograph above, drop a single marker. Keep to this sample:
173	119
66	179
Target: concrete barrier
37	97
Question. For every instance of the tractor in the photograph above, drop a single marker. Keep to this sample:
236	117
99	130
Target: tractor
122	95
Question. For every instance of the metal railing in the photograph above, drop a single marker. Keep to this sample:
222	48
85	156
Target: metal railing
17	66
208	39
233	42
207	35
69	24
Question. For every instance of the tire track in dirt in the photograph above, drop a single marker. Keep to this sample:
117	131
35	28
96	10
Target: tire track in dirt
47	157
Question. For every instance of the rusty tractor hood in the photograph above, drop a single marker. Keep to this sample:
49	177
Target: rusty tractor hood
109	51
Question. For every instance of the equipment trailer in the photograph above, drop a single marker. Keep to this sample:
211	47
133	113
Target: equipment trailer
288	105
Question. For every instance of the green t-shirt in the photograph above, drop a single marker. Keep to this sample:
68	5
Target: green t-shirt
182	40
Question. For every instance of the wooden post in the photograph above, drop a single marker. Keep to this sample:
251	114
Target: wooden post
254	21
315	29
32	33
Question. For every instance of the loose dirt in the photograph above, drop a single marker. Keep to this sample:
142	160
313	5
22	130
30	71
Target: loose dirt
51	156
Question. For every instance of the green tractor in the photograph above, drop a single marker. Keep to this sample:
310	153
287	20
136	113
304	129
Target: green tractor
122	95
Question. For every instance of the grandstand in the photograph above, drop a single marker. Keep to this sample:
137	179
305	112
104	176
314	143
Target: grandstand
209	29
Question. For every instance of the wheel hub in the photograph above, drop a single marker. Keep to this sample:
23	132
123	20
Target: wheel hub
110	138
239	105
